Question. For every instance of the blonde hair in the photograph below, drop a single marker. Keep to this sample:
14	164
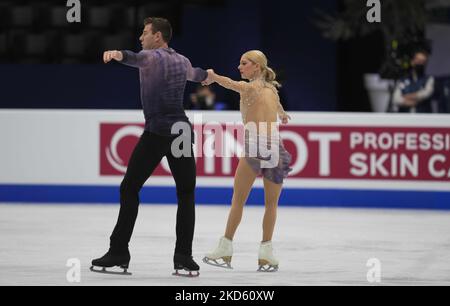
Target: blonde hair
257	57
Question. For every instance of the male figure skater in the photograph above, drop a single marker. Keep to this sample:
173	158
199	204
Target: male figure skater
163	75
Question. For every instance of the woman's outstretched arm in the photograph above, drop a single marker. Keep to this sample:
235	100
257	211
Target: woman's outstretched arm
228	83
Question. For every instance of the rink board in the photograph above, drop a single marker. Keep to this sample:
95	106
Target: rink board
338	159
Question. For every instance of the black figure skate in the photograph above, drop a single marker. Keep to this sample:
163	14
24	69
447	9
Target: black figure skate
112	259
185	263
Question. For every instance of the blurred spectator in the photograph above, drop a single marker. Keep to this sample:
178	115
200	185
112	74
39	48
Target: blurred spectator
204	98
413	93
444	94
445	101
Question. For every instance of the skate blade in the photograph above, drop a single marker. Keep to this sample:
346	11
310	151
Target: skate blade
213	262
191	274
104	271
267	269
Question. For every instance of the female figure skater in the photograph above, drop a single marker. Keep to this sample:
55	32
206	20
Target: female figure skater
260	105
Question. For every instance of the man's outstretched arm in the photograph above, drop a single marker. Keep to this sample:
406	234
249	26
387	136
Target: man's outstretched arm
195	74
129	58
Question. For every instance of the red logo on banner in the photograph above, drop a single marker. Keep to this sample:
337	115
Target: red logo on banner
117	142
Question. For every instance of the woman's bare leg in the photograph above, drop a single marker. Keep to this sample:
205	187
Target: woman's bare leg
272	193
243	182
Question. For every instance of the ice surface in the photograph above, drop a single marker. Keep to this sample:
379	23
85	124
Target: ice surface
315	246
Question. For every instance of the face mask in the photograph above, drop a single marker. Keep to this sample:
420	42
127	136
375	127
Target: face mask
201	100
207	101
420	70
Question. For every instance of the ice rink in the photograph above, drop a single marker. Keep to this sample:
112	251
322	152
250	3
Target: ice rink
315	246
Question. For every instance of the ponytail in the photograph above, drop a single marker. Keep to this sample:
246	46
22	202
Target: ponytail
270	76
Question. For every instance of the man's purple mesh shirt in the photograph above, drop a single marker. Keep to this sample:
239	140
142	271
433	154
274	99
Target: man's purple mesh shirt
163	75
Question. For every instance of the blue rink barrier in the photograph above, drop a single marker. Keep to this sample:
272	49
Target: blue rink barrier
222	195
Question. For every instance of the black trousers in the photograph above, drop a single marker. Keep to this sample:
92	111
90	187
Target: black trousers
146	156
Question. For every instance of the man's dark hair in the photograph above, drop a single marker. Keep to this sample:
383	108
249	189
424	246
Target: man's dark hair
160	25
421	48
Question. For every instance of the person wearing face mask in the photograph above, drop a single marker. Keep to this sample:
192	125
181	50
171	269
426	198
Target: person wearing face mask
204	98
413	93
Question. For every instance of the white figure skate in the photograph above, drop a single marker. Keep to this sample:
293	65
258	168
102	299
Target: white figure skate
266	261
221	256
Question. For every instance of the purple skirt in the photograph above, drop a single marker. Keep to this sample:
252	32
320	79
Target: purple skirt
276	173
